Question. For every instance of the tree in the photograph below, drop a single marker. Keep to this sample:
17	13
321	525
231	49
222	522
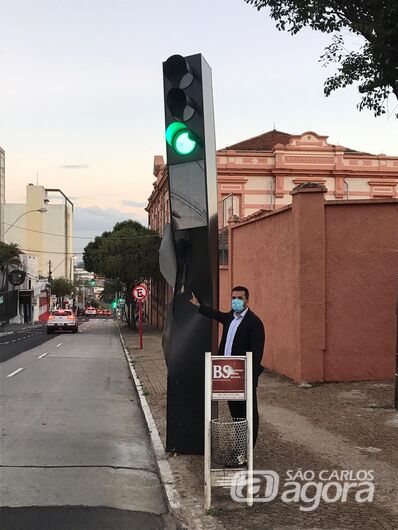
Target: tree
9	257
61	287
374	66
111	288
128	255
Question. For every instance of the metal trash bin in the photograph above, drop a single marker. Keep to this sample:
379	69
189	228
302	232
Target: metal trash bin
229	442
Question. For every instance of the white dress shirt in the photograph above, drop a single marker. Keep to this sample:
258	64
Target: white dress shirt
233	327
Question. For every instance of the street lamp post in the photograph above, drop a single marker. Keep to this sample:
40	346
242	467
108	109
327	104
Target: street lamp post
41	210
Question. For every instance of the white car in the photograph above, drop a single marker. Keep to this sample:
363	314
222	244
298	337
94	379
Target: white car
62	319
90	311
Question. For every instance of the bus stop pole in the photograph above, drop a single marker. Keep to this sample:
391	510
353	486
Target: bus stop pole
207	462
249	418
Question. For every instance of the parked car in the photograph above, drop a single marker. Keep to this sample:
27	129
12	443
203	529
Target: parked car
62	319
107	312
99	311
90	311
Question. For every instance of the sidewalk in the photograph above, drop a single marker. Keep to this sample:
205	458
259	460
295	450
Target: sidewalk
344	426
13	328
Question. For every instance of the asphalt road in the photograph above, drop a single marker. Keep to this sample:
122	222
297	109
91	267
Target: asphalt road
75	453
19	341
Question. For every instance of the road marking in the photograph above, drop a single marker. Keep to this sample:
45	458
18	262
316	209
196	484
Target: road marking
15	372
6	342
42	355
58	345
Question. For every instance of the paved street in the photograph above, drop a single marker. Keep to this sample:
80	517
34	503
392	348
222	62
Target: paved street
17	341
75	451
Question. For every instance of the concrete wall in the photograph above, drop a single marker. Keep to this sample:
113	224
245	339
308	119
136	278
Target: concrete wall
224	298
324	279
262	260
361	290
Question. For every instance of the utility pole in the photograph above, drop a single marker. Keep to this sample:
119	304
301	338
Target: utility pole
50	279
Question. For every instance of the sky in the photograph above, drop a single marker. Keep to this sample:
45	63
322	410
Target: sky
81	102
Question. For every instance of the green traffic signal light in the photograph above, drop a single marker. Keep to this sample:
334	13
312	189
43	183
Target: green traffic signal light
113	305
180	138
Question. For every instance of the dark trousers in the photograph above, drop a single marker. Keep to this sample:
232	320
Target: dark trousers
238	410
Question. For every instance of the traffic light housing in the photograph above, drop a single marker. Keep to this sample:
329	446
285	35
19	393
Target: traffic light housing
192	178
190	139
184	108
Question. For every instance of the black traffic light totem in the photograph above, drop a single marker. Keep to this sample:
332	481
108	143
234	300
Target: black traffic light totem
192	242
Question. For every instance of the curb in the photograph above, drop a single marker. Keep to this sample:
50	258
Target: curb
166	475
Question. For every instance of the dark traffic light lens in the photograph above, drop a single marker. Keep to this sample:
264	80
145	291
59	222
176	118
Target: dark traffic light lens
180	105
177	71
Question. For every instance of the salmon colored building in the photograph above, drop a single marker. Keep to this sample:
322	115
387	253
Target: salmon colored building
311	229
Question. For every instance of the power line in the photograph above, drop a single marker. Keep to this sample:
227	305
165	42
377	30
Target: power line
77	237
71	254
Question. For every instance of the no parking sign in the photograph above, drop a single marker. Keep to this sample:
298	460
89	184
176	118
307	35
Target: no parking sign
140	292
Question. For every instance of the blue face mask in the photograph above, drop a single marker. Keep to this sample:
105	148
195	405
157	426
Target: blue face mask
237	305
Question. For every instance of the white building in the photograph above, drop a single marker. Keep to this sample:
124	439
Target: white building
43	227
2	191
31	296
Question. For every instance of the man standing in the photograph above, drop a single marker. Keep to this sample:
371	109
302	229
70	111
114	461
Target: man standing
243	331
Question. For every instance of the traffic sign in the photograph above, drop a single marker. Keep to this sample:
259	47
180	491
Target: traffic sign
140	292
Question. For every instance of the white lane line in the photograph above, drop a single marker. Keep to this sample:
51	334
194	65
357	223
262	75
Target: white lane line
15	372
42	355
58	345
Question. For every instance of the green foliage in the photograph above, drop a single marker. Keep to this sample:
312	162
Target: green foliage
9	255
127	256
373	66
61	287
111	287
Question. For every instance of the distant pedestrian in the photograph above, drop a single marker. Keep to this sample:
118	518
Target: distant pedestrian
243	331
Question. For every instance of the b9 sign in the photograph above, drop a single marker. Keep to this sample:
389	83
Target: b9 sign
228	379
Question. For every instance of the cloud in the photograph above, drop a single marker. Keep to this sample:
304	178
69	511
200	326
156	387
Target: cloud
75	166
133	204
100	219
92	221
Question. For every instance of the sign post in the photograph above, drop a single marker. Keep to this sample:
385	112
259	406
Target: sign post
140	292
228	379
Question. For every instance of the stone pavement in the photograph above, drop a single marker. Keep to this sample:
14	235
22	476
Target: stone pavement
342	426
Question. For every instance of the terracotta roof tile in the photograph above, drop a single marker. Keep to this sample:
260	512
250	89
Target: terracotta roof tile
268	140
262	142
